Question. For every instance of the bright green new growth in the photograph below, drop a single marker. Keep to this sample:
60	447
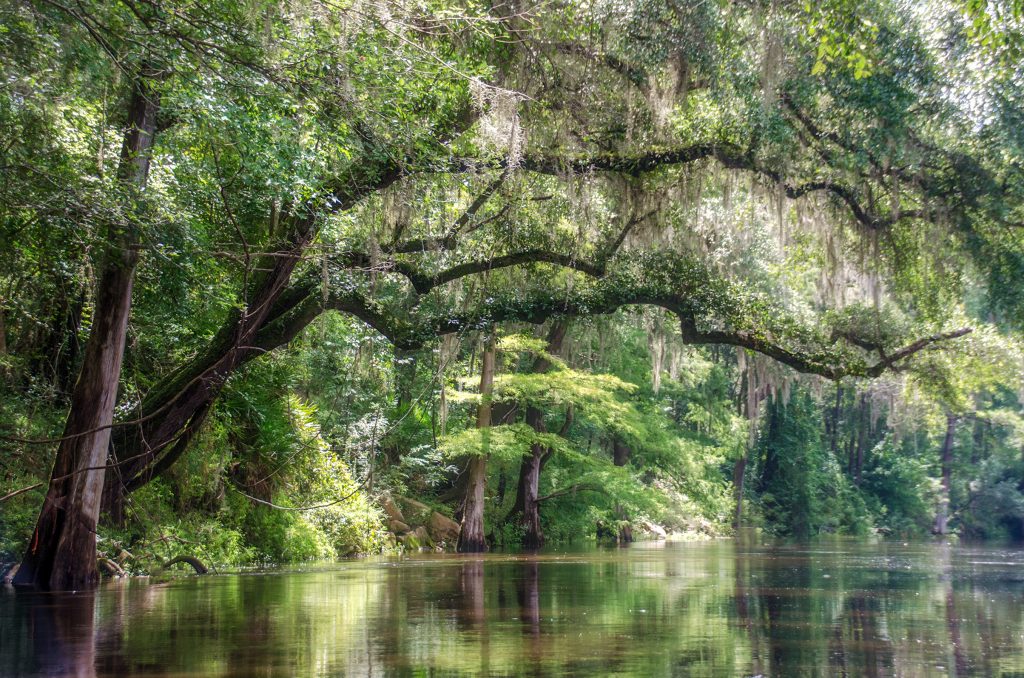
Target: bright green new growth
785	241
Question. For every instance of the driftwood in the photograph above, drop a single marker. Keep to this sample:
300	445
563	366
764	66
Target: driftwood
111	567
9	574
196	564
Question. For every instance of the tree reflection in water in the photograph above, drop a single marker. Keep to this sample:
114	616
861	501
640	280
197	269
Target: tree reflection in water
705	609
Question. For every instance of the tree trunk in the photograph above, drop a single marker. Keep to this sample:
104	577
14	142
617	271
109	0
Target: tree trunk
149	448
620	452
175	407
62	552
471	536
620	457
942	514
533	535
527	505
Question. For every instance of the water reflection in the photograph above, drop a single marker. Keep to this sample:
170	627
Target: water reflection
53	634
721	608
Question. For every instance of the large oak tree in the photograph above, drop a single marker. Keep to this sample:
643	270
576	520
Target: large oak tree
434	170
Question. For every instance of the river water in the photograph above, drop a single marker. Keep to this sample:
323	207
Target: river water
719	608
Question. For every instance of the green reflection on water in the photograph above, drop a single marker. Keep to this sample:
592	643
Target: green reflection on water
705	609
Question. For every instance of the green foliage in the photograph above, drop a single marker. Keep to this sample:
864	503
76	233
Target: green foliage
284	537
899	490
824	183
333	516
17	520
797	479
596	491
24	414
262	443
845	36
159	529
995	25
995	508
500	442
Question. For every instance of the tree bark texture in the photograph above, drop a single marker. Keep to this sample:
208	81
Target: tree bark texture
527	504
942	514
471	536
62	552
620	457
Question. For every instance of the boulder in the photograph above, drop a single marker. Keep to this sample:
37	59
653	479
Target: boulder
417	513
398	527
391	509
423	536
655	530
443	528
409	541
416	540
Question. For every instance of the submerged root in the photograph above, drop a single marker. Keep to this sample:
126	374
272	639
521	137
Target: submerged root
196	564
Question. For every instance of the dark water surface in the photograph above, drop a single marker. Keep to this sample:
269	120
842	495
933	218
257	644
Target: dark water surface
688	609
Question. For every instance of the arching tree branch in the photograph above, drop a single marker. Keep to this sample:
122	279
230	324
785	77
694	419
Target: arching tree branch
729	156
710	311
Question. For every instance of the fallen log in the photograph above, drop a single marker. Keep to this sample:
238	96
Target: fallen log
111	567
196	564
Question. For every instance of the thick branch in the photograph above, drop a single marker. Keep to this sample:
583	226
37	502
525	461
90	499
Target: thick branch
732	157
710	310
425	283
890	361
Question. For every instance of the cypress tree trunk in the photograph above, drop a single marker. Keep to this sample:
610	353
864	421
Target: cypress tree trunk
471	536
533	535
62	552
942	514
529	472
620	457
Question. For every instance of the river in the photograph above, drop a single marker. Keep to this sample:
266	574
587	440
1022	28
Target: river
718	608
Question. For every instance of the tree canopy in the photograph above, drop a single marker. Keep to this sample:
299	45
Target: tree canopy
835	186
